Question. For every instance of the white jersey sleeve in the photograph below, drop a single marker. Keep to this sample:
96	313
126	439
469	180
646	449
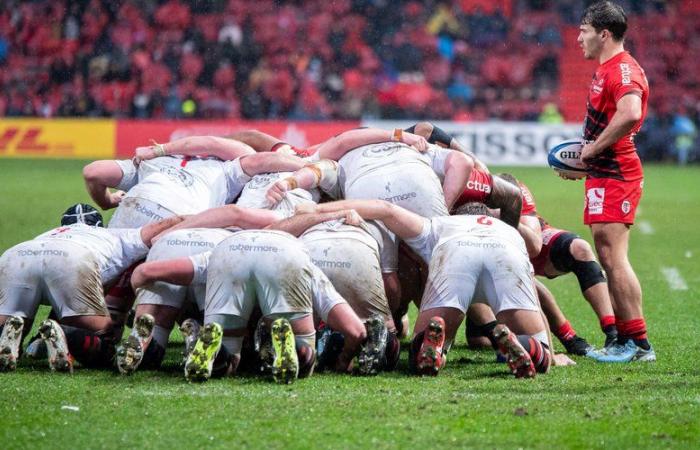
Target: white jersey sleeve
425	242
236	178
438	159
130	175
200	263
325	297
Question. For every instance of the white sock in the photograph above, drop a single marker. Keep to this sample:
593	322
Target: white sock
161	335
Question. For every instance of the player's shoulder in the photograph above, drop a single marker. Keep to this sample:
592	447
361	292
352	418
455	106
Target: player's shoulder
625	70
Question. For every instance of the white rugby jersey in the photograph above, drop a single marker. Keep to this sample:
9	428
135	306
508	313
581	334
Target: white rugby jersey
465	229
184	185
338	229
187	242
253	194
394	156
115	249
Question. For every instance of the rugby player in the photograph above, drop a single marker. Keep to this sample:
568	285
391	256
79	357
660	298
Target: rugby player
70	266
270	269
471	255
616	107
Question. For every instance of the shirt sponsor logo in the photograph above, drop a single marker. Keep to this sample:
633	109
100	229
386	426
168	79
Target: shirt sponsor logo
597	86
381	150
478	186
330	264
626	73
147	212
595	198
184	243
178	175
400	197
42	253
253	248
480	244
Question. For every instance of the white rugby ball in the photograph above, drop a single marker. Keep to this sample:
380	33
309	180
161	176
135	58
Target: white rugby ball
565	158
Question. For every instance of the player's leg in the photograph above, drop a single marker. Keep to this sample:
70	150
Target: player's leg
559	324
479	327
612	242
434	333
570	253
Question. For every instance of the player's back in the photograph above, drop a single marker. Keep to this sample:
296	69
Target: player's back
254	194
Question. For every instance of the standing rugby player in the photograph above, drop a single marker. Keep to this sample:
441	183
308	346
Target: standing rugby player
617	104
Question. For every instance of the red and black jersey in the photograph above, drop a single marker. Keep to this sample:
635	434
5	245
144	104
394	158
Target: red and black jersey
619	76
529	207
478	188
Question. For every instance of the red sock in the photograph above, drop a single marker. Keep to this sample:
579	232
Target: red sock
565	332
635	328
607	321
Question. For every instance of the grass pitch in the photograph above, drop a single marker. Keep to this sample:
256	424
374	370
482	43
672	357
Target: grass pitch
473	403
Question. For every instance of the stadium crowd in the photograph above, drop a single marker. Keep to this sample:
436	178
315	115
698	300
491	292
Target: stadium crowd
305	60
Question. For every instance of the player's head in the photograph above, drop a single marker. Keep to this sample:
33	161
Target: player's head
509	178
473	209
601	22
82	213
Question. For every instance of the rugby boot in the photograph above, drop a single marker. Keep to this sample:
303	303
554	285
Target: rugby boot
576	346
623	353
430	358
517	358
372	354
285	364
262	343
189	329
130	352
52	334
200	361
329	346
10	341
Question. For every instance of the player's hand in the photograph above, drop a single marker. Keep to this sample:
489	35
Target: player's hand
305	208
351	217
116	197
276	193
564	176
143	154
561	359
137	278
588	153
415	141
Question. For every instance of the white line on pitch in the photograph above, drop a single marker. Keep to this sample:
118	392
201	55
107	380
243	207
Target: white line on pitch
645	227
674	279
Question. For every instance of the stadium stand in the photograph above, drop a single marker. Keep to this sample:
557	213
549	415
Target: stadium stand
346	59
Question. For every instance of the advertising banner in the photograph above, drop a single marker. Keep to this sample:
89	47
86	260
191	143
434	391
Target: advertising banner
59	138
502	143
133	133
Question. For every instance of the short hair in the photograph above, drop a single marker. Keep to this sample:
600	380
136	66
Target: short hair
472	209
509	178
606	16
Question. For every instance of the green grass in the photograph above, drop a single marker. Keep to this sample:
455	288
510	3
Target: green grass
473	403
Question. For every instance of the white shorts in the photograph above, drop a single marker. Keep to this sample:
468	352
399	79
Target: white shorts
421	194
64	273
353	268
488	269
179	244
268	269
134	212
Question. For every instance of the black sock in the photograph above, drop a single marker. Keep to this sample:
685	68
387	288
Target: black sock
221	363
393	351
413	351
153	356
91	349
643	343
306	356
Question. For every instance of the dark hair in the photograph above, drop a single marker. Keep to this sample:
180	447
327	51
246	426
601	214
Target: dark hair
472	209
509	178
606	16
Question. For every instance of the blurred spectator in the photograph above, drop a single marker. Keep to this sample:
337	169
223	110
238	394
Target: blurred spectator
550	114
684	132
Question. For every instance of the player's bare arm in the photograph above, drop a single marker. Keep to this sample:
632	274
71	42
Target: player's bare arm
99	177
436	135
178	271
629	113
270	162
508	199
259	141
335	147
150	231
229	216
531	232
299	223
458	166
323	173
222	148
400	221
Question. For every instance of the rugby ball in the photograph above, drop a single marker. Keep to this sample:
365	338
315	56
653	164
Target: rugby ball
565	158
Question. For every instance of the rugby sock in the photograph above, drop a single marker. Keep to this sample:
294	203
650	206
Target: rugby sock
89	348
153	356
635	329
537	351
222	362
306	356
413	351
487	330
161	335
607	324
565	332
393	351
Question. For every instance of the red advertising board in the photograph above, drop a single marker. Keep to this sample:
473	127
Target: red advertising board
134	133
